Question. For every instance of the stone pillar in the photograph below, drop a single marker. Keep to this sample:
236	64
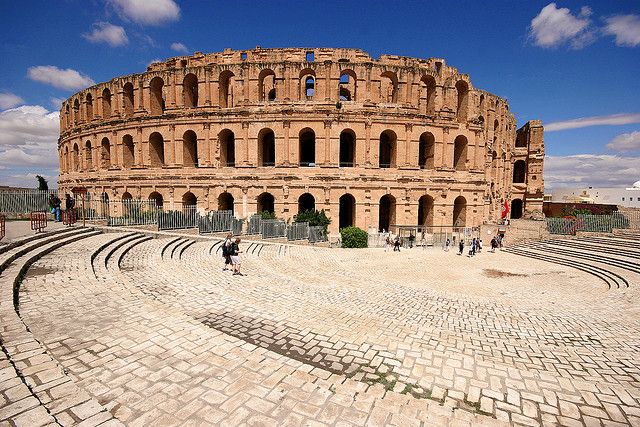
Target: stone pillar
139	153
447	148
204	154
287	157
171	91
327	81
368	161
138	96
326	146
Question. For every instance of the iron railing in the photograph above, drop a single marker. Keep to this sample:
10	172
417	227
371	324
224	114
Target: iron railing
317	233
298	231
593	223
174	220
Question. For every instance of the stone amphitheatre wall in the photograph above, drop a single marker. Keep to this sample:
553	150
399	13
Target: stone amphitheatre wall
373	142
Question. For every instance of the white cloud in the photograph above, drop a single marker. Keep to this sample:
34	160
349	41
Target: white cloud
553	27
63	79
9	100
104	32
29	124
582	122
147	12
29	180
154	61
179	47
625	142
56	103
583	170
626	29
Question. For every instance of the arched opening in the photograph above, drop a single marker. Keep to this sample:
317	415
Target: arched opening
76	111
494	164
190	91
225	89
105	153
462	89
127	151
76	158
104	204
156	149
189	201
266	203
266	148
106	103
347	148
388	87
388	149
156	198
309	87
387	212
306	202
482	104
126	196
460	212
156	98
225	202
348	84
427	95
519	172
127	94
521	140
307	147
65	162
347	212
67	117
227	142
516	209
426	151
425	211
266	85
88	156
190	149
89	107
460	153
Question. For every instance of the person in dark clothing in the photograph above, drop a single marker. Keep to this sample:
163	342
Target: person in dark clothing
226	251
411	239
396	245
461	247
235	257
69	204
54	203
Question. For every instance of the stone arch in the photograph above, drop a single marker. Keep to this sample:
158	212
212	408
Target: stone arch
190	91
306	202
347	148
386	212
227	141
67	116
156	150
348	85
460	153
127	98
388	87
105	153
347	211
89	106
106	103
156	198
266	147
265	203
76	111
104	204
225	202
427	94
462	91
75	156
267	85
189	201
460	212
307	84
307	147
88	155
128	155
426	151
190	149
388	149
519	172
516	209
425	211
65	162
521	140
156	96
225	89
481	103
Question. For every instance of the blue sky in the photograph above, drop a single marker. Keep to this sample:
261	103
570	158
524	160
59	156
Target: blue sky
555	62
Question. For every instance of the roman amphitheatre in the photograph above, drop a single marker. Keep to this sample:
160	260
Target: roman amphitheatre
113	325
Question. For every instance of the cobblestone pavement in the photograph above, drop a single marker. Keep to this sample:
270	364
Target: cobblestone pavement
158	334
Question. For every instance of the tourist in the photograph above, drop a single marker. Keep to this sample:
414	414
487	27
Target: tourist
460	246
494	244
412	237
226	251
479	245
423	241
396	244
54	203
387	243
235	257
69	203
447	243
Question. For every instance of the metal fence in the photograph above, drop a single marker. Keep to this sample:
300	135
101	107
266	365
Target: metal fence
24	201
422	236
298	231
317	233
131	212
173	220
593	223
216	222
271	228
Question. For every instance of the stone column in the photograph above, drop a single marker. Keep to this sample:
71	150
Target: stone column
204	154
367	145
326	146
327	81
171	91
287	157
139	153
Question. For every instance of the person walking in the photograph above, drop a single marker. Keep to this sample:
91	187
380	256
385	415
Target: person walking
412	237
226	251
69	204
461	247
55	202
396	244
447	243
235	257
387	243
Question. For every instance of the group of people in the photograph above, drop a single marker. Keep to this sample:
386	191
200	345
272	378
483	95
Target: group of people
474	248
231	254
55	203
496	242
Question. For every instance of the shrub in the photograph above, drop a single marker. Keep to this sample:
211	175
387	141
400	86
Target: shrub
354	237
267	215
314	218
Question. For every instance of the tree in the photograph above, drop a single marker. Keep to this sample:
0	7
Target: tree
354	237
42	183
314	218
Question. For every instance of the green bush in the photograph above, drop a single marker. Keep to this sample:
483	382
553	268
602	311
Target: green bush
354	237
314	218
267	215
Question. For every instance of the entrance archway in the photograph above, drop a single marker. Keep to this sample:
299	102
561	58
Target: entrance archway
387	212
225	202
306	202
266	203
347	212
516	208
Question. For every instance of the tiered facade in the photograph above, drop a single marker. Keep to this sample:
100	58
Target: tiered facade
375	143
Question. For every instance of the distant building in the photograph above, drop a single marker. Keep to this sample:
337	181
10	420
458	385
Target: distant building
627	197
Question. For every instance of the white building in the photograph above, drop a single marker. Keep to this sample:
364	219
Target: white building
628	197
